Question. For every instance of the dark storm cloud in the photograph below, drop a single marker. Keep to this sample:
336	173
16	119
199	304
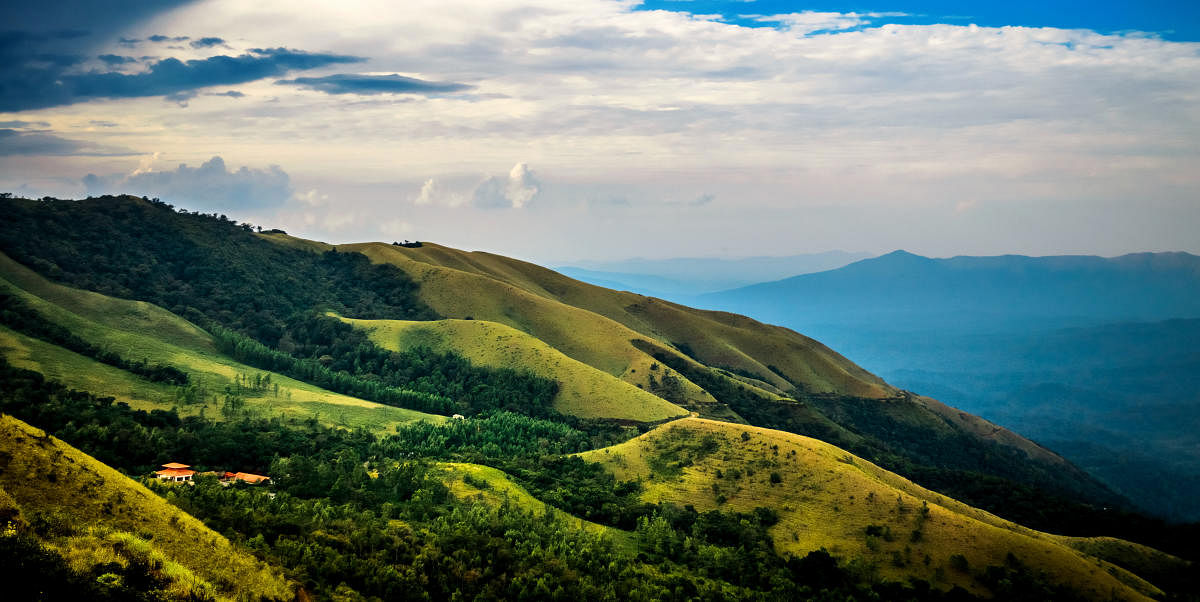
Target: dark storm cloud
211	186
207	42
13	143
101	18
349	83
33	80
161	38
113	60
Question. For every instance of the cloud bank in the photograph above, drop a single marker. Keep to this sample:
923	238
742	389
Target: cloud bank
211	186
348	83
33	80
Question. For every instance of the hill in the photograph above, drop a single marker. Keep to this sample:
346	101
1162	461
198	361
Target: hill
583	391
142	331
713	338
1093	357
826	498
268	296
101	521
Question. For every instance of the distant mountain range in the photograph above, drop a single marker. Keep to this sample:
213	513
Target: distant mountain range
1095	357
422	402
686	276
903	291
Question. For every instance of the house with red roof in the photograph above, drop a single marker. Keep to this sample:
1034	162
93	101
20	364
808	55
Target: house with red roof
175	472
245	477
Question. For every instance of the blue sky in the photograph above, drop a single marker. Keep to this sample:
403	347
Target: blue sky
599	129
1177	20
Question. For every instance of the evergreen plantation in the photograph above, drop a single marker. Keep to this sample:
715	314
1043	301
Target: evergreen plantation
522	495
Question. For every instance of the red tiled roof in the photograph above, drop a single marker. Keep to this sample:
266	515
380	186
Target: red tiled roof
175	472
176	465
250	478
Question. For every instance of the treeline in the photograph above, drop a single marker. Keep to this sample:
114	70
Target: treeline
953	464
139	442
202	267
352	515
343	348
17	315
263	301
248	351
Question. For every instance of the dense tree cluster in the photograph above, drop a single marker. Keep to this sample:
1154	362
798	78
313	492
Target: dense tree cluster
203	267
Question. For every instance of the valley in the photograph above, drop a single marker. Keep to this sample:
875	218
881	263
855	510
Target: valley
447	424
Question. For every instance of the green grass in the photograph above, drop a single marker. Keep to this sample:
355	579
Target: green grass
458	283
96	514
492	486
583	390
138	330
828	498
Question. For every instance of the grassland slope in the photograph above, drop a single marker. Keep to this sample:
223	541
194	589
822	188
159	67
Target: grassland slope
583	390
828	498
95	513
777	355
138	330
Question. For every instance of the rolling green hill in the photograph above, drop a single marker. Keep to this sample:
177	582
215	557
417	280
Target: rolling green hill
140	330
91	515
714	338
542	366
827	498
582	390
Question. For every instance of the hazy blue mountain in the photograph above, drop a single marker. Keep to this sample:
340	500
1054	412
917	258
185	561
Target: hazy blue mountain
1097	358
905	292
688	276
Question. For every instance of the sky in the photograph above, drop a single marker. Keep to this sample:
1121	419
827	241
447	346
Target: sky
604	129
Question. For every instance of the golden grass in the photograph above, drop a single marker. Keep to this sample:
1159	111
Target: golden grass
827	498
579	334
136	331
595	325
583	390
498	487
41	474
718	339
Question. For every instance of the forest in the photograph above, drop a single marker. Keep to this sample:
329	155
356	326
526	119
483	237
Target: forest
352	515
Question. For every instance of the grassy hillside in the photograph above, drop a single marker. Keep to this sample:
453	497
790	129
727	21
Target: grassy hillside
578	333
827	498
582	390
475	482
139	330
714	338
90	514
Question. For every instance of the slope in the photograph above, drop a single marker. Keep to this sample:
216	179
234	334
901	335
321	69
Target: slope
776	355
541	303
583	391
137	330
92	514
827	498
491	486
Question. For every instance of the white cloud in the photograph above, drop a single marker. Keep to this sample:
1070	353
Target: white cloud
311	198
428	190
522	187
660	106
208	187
811	21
